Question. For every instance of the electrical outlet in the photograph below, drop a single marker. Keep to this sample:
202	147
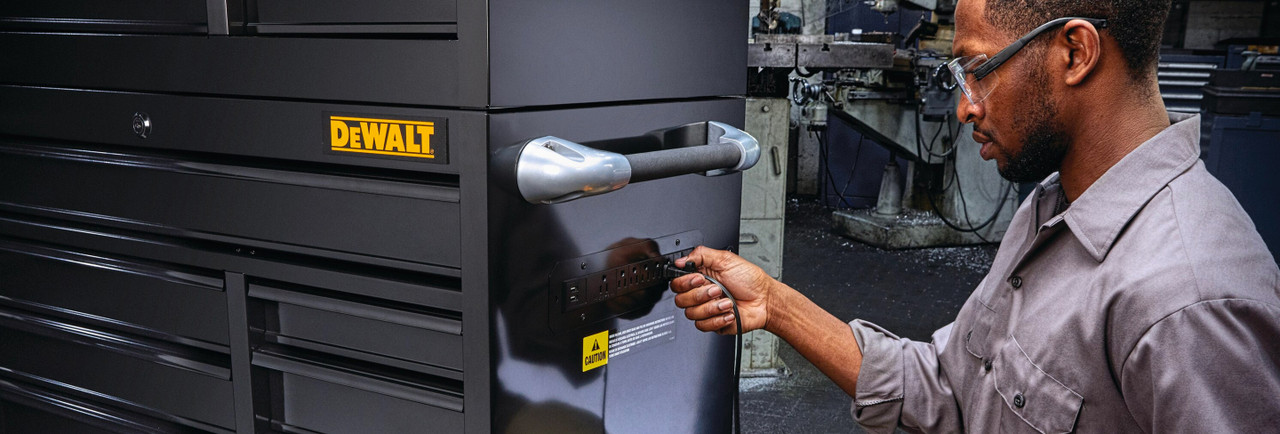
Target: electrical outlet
617	281
597	286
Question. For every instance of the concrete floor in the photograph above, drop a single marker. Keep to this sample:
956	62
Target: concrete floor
911	293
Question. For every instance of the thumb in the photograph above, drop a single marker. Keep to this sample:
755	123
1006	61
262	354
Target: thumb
703	258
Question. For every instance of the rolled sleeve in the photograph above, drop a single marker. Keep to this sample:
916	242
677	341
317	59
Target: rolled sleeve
900	383
878	404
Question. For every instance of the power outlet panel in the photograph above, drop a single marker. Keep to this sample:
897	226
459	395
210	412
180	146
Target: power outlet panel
613	282
600	287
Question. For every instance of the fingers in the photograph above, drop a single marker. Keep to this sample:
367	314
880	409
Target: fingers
705	304
721	324
687	282
698	296
708	310
703	257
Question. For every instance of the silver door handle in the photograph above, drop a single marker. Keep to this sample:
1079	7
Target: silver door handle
549	169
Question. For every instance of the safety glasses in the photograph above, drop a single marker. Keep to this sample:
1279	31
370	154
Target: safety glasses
975	75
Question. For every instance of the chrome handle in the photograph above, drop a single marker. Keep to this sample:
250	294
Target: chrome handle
550	170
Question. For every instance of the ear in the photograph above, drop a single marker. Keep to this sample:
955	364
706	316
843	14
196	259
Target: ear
1081	48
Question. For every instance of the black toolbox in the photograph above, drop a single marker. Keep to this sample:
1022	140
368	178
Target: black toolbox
269	216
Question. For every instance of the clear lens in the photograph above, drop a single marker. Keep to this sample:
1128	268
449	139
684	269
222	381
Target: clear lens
975	90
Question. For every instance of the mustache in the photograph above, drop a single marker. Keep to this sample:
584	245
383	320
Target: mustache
984	133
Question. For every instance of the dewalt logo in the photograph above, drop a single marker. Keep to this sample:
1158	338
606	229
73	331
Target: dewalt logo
417	139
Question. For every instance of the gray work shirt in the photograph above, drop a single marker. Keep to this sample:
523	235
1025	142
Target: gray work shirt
1149	305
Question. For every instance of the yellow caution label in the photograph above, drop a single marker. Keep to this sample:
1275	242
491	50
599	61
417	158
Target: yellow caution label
400	138
595	351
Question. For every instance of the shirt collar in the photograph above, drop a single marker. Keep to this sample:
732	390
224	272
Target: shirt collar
1046	197
1099	215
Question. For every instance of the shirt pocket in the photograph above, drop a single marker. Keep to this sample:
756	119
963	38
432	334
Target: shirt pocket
1033	398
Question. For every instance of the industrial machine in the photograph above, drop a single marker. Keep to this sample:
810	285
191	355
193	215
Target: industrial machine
379	216
891	88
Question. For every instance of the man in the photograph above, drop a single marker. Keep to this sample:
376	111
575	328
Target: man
1131	292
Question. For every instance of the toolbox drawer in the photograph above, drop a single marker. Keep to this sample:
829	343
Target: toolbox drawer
163	298
20	419
29	408
397	70
126	16
364	12
250	130
327	215
327	324
335	399
184	382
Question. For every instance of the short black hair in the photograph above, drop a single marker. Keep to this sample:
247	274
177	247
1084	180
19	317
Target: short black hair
1137	25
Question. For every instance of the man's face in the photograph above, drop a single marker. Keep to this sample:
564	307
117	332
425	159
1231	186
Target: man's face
1017	125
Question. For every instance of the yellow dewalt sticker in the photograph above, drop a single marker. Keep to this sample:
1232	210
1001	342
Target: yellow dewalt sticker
595	351
385	137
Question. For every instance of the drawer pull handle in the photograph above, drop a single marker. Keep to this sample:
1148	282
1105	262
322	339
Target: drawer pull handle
162	353
443	325
340	377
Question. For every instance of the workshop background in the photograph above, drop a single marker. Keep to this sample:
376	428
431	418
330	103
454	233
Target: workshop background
845	138
409	216
1218	58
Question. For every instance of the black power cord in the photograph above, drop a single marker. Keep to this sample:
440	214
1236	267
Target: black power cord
857	156
921	149
925	151
825	162
671	272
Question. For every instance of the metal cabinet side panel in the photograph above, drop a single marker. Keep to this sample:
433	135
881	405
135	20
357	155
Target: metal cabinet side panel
583	51
537	372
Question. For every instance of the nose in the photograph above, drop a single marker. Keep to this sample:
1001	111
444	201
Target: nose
967	112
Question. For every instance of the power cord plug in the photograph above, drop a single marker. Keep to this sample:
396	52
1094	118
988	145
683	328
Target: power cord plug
670	271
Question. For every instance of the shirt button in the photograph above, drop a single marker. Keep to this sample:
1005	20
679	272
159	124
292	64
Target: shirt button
1019	401
986	365
1016	281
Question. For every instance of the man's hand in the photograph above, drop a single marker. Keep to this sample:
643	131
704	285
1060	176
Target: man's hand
764	303
711	310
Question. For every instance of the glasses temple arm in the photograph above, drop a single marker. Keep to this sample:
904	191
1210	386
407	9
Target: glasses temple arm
1007	52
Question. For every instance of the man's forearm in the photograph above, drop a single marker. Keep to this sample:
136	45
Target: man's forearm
816	334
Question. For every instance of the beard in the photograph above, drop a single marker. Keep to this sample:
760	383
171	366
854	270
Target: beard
1044	139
